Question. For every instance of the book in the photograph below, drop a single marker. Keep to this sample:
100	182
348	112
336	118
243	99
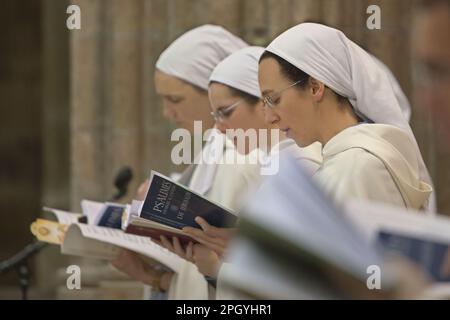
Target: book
99	242
295	243
107	214
169	206
422	238
104	243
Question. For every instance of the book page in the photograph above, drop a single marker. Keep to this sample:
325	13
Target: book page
76	244
64	217
371	217
110	240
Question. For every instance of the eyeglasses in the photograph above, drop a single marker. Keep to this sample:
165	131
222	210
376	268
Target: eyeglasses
269	100
224	113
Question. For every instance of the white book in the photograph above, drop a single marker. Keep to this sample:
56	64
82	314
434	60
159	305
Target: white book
91	241
92	209
104	243
64	217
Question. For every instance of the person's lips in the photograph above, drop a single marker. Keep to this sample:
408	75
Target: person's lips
286	131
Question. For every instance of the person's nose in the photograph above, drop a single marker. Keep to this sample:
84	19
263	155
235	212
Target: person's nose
168	111
221	126
270	116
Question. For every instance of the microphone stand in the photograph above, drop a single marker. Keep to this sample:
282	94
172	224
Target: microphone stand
20	262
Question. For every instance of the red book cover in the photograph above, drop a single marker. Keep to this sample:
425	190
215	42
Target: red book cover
156	233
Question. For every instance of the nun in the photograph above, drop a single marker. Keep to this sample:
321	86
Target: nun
317	85
181	79
236	103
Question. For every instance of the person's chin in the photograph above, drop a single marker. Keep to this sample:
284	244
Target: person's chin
241	149
301	141
183	125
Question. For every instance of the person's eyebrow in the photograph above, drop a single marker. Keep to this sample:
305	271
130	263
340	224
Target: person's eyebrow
266	92
222	107
176	96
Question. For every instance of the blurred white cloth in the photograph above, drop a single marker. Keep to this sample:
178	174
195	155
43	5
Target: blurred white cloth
225	184
310	157
373	162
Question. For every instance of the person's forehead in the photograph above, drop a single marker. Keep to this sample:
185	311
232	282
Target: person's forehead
221	96
169	85
269	73
269	65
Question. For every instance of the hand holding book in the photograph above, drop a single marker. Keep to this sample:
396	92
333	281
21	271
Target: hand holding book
206	255
214	238
176	247
208	261
169	207
131	264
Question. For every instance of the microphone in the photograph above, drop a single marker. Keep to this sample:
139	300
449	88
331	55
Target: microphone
121	182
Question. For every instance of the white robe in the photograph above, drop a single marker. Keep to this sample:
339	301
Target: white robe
310	158
228	185
373	162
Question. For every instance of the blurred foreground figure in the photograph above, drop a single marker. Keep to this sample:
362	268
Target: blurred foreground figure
432	49
294	243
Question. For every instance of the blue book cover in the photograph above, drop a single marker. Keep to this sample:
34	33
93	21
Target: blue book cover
174	205
111	216
430	255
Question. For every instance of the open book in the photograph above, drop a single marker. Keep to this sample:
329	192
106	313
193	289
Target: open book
99	242
170	206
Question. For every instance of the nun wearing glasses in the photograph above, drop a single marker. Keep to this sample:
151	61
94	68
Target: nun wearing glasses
237	105
320	86
236	102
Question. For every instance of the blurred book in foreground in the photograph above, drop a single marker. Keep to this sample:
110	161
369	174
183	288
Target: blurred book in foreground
422	238
294	243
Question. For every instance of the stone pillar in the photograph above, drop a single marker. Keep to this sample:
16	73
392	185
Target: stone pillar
55	130
88	58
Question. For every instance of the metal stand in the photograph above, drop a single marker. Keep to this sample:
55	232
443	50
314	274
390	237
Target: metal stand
20	262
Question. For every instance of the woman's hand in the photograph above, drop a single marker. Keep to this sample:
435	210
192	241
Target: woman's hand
142	190
217	239
206	260
176	247
131	264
